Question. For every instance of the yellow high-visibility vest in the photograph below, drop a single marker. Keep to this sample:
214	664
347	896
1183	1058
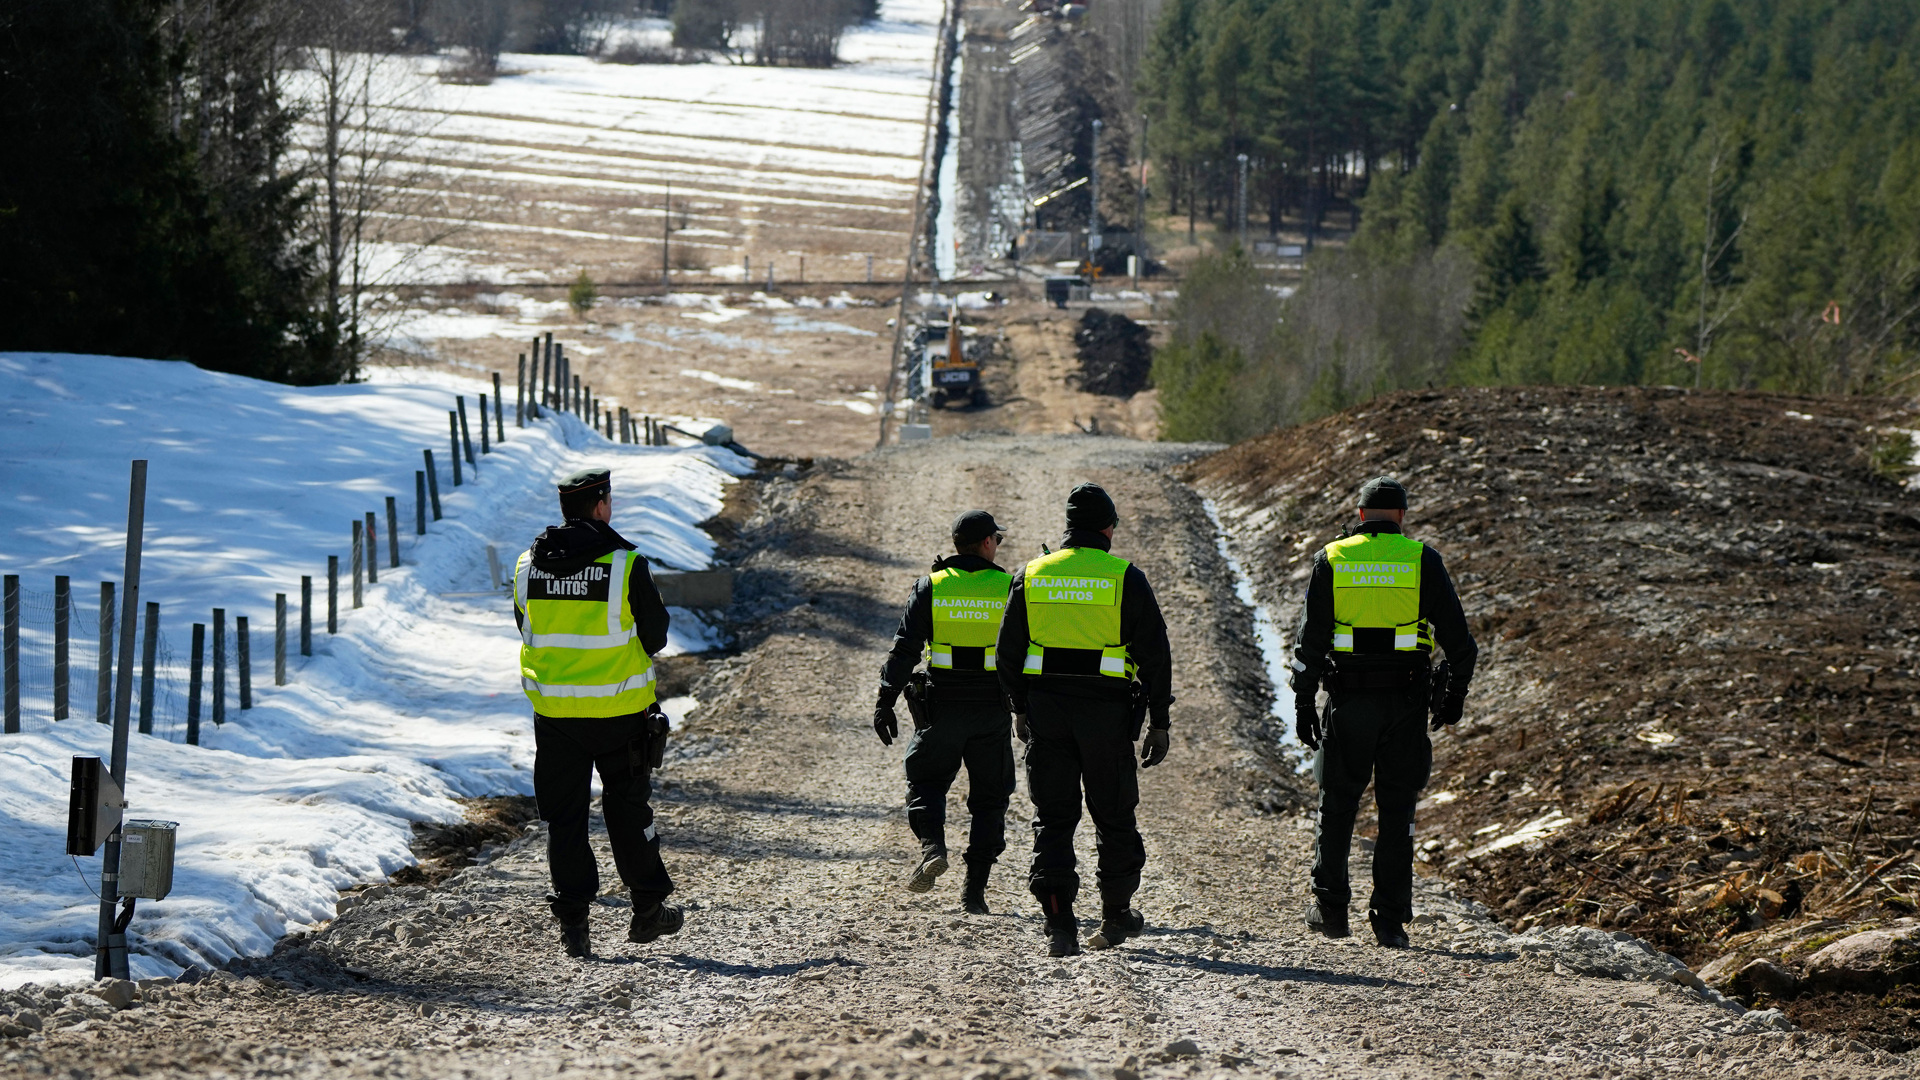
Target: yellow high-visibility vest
968	606
580	654
1073	614
1376	594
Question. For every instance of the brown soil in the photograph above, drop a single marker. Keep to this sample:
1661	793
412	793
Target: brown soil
1697	617
444	850
1033	380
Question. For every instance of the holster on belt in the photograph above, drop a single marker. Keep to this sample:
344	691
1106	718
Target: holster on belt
919	700
656	737
1437	687
1136	708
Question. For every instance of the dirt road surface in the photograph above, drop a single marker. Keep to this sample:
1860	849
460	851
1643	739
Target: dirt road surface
803	955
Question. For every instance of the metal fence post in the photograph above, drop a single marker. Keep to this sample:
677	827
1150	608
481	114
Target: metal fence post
103	690
11	647
466	438
453	436
280	639
520	396
393	534
357	544
147	649
372	535
193	683
306	615
62	644
485	446
499	413
433	484
219	666
546	375
333	594
246	661
420	501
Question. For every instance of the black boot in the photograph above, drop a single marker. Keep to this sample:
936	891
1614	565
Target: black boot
1390	934
930	868
1118	920
1063	930
574	939
654	922
973	895
1329	921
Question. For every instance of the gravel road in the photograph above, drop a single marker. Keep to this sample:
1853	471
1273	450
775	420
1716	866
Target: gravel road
804	958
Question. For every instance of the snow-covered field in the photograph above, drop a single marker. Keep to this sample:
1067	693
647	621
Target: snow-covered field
250	486
564	162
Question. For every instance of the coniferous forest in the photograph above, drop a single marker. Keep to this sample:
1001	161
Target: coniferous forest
1580	191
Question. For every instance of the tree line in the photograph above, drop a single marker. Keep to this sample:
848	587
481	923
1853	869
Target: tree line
1592	191
229	181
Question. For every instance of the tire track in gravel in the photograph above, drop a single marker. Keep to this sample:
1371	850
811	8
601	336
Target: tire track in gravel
805	959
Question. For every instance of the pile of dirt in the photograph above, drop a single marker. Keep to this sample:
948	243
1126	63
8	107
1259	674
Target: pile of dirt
1116	353
1699	616
445	849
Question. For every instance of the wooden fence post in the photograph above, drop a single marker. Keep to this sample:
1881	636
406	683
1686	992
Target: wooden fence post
453	435
240	639
499	414
393	534
219	666
466	438
579	402
11	646
372	535
193	683
306	615
419	502
103	690
280	639
546	372
333	594
433	484
148	646
485	447
62	644
356	557
520	396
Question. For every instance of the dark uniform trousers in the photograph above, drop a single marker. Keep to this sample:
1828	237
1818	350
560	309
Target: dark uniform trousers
1382	734
1078	740
977	734
566	751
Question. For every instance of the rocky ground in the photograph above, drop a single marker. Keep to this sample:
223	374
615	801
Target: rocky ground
1695	719
805	959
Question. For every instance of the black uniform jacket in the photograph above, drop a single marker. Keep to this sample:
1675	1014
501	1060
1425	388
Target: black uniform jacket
1439	605
564	549
916	630
1142	631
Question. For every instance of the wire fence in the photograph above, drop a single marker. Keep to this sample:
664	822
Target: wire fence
172	666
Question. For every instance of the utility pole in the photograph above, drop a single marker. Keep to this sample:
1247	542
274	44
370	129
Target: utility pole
1140	202
1093	197
110	952
1241	210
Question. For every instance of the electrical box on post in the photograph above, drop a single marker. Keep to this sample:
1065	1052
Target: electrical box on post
93	806
146	859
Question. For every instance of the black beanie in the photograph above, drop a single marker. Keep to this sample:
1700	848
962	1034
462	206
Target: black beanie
1089	509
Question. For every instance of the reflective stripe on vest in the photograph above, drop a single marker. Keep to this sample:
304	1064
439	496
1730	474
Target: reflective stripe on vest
1073	614
968	606
580	654
1376	594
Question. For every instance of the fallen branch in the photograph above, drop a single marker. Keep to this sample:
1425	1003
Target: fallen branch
1873	874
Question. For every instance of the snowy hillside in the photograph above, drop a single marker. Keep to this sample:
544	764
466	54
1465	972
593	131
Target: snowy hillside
252	485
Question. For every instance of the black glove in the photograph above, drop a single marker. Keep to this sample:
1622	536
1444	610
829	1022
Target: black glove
1449	711
1020	729
886	724
1153	748
1306	721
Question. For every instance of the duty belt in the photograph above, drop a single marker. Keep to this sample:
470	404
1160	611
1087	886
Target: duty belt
1402	679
